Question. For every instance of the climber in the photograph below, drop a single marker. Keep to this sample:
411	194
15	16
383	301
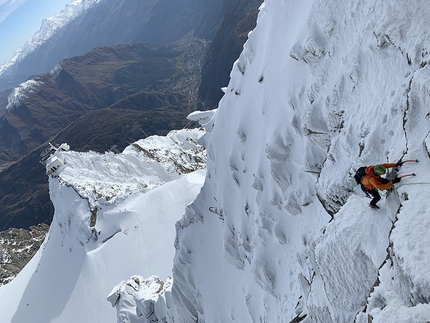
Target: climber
371	180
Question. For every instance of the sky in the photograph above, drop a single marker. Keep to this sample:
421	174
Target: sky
20	19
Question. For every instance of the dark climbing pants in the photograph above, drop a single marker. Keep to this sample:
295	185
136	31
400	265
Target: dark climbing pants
376	196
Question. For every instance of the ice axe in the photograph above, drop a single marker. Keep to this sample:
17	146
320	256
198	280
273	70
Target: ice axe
406	175
410	161
400	163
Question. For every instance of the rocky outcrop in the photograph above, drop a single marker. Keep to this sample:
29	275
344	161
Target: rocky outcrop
17	247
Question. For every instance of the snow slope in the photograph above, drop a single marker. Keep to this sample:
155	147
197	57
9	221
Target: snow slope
114	216
280	232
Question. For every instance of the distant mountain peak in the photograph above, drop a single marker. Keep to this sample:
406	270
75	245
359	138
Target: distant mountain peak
86	24
48	29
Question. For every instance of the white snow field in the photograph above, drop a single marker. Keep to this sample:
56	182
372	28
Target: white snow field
280	232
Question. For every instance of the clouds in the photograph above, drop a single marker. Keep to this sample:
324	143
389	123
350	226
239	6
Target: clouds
9	6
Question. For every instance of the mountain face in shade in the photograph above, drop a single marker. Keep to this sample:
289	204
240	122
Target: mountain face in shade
110	97
84	25
238	20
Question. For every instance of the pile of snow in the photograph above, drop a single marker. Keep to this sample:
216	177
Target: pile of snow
56	71
114	216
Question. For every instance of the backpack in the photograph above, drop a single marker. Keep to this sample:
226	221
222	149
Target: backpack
359	174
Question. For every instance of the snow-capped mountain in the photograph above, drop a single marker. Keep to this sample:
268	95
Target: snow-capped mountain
106	204
279	232
48	29
38	48
86	24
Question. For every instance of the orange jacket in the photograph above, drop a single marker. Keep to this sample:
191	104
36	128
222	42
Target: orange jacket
371	180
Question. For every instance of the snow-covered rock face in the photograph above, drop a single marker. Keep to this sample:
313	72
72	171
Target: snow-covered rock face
144	165
280	232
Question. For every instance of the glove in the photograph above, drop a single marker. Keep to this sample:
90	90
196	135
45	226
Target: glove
396	180
399	163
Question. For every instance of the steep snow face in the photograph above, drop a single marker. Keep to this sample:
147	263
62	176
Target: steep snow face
114	216
280	232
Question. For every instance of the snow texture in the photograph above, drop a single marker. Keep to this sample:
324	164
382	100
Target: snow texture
280	232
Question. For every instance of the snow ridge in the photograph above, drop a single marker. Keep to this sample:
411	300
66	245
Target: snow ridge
142	166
